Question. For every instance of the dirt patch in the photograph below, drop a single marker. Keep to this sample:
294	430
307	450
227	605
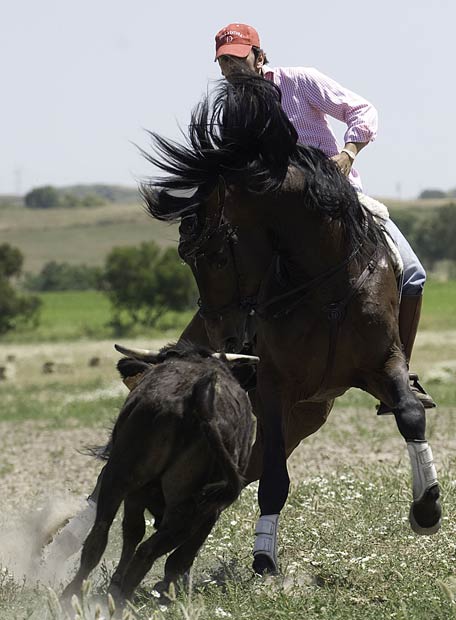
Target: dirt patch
37	461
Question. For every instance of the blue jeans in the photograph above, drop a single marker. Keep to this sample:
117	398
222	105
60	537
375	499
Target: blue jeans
414	273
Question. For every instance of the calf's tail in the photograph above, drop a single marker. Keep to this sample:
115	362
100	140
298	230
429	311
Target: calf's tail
227	490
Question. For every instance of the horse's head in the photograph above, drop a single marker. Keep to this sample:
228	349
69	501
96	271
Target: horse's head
224	259
208	245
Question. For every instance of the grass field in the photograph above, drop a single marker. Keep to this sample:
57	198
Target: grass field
346	550
72	315
79	235
75	315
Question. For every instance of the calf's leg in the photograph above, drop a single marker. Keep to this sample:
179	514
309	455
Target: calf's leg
110	498
182	558
133	530
177	525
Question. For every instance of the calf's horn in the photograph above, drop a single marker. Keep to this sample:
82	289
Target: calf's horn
140	354
237	357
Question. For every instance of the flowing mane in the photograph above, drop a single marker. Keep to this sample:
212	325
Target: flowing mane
244	135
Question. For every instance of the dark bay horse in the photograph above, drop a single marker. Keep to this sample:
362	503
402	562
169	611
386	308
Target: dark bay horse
271	227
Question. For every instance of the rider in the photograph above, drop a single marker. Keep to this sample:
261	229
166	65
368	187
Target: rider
308	98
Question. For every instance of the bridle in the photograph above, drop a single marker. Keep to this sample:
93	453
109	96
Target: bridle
218	226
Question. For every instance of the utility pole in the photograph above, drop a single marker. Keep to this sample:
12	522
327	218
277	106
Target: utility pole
18	171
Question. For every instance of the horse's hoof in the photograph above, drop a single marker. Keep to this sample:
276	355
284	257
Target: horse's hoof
426	515
264	565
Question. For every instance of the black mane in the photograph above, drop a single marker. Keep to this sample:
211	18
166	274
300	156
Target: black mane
244	135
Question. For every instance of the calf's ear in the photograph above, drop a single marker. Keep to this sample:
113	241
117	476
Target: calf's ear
203	396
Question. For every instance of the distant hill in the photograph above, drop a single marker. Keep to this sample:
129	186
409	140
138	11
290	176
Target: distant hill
79	235
107	193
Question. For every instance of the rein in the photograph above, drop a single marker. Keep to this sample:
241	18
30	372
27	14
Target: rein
216	226
304	289
243	302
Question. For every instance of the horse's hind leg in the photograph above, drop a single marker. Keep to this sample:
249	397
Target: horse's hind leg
393	388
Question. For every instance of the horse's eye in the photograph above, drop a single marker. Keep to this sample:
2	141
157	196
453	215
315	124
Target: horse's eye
188	225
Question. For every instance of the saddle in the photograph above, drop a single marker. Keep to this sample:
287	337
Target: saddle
381	214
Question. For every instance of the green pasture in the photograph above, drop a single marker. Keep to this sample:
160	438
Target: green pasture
75	315
72	315
439	306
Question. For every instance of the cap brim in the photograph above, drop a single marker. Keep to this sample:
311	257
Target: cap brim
240	51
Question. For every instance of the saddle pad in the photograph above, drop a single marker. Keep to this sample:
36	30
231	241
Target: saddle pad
381	215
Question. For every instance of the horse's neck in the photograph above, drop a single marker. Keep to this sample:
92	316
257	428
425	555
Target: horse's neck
308	242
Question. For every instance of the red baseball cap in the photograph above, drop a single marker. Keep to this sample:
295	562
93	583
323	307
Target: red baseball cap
236	40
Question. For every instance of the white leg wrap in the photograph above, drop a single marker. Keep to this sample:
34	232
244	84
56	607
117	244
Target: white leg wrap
266	537
423	468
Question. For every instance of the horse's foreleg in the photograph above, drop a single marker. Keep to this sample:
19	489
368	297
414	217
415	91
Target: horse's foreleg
274	481
425	511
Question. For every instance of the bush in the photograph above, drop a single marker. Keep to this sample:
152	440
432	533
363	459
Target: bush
143	282
435	235
49	197
15	309
64	277
46	197
432	193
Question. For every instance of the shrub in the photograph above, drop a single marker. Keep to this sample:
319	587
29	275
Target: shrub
46	197
143	282
64	277
15	309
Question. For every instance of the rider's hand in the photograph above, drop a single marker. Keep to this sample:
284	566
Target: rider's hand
344	162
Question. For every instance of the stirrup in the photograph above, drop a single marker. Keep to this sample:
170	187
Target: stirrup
426	400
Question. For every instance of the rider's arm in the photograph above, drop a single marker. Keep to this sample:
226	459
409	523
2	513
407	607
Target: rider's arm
345	160
331	98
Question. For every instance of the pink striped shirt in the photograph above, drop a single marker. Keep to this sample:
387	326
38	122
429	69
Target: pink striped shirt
309	97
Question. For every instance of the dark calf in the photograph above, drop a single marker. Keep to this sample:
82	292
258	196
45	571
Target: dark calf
179	448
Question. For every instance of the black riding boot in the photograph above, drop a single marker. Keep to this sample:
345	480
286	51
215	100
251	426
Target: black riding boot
409	318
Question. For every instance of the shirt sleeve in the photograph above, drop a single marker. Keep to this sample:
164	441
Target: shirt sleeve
326	95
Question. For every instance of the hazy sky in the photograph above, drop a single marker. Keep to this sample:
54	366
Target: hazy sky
83	79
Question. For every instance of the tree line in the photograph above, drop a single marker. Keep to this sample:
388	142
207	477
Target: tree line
50	197
142	283
431	233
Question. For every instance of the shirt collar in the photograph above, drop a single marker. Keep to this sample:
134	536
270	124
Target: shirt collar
267	72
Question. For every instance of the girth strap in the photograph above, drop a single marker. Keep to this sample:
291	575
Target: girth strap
335	313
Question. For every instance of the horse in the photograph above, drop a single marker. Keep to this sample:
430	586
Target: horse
272	228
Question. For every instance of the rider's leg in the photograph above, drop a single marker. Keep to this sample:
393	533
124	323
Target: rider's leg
410	306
